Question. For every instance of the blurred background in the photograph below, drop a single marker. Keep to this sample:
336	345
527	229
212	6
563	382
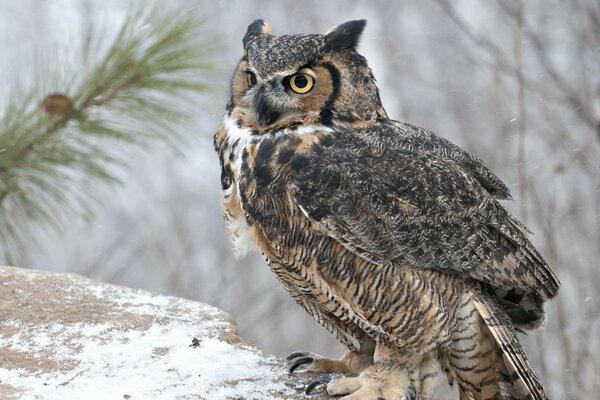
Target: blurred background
516	83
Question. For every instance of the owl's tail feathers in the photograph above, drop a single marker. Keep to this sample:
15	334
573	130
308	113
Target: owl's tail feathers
516	379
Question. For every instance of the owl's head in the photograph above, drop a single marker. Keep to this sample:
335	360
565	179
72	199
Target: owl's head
288	80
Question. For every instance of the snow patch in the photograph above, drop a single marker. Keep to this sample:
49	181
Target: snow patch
157	363
131	343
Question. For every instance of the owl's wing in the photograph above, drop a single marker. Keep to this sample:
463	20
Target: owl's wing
424	141
393	202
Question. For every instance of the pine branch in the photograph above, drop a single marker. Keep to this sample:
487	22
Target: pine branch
52	145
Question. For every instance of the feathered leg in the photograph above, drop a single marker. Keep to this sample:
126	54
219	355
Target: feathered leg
430	376
393	376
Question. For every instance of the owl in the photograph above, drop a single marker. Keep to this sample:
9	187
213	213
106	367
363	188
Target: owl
391	237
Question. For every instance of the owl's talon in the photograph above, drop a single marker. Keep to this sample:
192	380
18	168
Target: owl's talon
299	362
350	363
297	354
322	380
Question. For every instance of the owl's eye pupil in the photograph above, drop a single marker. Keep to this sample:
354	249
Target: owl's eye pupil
301	81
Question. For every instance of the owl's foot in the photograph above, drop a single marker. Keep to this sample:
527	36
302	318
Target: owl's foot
350	363
374	383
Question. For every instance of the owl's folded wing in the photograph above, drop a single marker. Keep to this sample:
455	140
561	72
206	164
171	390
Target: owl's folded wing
424	141
399	205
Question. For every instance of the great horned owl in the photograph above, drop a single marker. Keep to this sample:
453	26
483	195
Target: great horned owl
391	237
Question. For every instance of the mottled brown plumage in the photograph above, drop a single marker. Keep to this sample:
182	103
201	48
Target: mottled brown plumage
390	236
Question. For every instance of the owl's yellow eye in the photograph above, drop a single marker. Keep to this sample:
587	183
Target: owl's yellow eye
301	83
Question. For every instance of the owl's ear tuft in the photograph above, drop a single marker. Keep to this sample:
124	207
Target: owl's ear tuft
258	27
344	36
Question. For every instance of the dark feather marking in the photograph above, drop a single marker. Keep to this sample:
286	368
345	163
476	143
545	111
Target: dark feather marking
483	355
429	375
265	151
262	173
326	141
466	350
299	162
285	155
226	177
326	114
470	315
459	338
463	369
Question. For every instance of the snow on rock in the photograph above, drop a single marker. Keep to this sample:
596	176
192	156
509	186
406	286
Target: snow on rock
63	336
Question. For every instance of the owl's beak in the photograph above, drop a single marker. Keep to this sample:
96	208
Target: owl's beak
265	113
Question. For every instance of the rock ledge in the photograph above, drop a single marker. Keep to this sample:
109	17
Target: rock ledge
63	336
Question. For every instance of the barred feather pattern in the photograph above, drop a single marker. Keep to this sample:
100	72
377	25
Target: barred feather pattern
485	357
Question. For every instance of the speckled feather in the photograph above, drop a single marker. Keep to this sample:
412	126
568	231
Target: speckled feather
276	53
390	236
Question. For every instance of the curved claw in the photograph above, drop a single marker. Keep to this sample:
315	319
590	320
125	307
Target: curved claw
299	362
322	380
297	354
412	393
